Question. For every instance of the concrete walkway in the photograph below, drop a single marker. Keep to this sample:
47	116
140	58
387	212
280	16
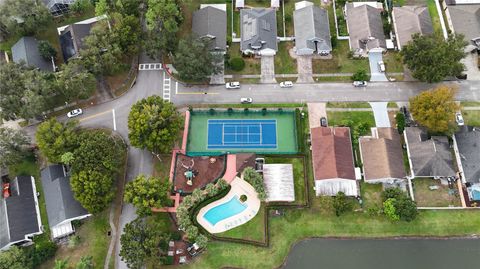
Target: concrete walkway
267	69
380	113
297	75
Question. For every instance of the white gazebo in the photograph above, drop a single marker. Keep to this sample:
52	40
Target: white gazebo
278	180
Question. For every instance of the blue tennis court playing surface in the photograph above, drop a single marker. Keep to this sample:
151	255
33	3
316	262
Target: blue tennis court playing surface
242	134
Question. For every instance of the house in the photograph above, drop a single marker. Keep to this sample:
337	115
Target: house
72	36
428	157
62	208
239	4
258	31
26	50
464	19
467	151
365	28
409	20
58	7
19	212
210	23
382	156
312	29
332	157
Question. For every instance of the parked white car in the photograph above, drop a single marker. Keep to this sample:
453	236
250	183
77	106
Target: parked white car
286	84
246	100
360	83
75	112
459	119
381	66
232	85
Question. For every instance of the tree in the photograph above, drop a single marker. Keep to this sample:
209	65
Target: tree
126	32
46	50
67	158
163	18
85	262
360	75
13	146
406	209
153	124
400	118
256	180
80	6
390	210
92	189
341	204
435	109
147	192
431	58
398	206
14	258
194	61
236	63
24	17
141	242
55	138
75	82
102	7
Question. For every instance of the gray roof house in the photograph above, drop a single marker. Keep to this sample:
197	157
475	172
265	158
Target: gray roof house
26	50
365	28
210	23
258	31
312	30
409	20
58	7
428	157
19	213
464	19
467	150
62	208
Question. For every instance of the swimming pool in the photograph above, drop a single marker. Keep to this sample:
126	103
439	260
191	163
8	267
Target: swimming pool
224	211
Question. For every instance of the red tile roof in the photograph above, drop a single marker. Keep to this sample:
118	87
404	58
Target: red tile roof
332	154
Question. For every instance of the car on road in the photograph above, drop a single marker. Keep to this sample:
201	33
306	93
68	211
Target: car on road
232	85
360	83
323	122
246	100
381	66
75	112
286	84
459	119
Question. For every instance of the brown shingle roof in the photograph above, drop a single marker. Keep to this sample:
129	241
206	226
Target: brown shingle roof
410	20
332	155
382	154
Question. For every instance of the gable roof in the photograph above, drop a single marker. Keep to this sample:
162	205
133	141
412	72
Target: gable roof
72	39
258	29
210	22
332	154
468	143
61	205
365	27
19	212
382	154
410	20
466	20
26	49
429	157
312	26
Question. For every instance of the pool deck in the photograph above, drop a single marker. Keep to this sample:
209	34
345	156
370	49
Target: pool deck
239	188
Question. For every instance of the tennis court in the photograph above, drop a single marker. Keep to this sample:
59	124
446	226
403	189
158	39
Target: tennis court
243	134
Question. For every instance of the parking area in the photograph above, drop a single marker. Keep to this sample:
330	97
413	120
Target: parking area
373	58
304	68
268	69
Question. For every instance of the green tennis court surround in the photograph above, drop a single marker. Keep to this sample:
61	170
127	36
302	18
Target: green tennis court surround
254	131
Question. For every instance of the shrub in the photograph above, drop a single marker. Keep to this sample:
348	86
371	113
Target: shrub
341	204
74	241
390	210
397	205
400	122
256	180
360	75
243	198
236	64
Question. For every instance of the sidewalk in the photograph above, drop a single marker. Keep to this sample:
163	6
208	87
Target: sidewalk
296	75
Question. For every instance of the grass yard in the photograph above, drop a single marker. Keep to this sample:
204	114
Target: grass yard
438	198
298	176
337	118
333	79
471	117
393	62
469	103
348	105
340	63
371	195
313	222
284	64
392	105
161	168
432	9
253	230
252	65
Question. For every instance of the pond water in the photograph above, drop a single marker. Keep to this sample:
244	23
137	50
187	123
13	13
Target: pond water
388	253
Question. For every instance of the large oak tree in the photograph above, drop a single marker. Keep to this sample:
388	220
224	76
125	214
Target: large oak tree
147	192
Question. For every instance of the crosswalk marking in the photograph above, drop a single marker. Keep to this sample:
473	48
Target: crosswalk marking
166	87
150	67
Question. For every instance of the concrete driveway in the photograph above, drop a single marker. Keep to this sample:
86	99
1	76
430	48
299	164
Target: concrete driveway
471	65
304	69
315	112
373	58
268	69
380	113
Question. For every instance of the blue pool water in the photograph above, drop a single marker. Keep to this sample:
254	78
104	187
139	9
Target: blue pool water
224	211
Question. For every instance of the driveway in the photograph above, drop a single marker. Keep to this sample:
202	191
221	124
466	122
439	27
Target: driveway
471	65
380	113
268	69
373	58
315	112
304	69
219	78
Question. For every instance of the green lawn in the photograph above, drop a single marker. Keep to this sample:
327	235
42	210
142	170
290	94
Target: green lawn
336	118
393	62
298	175
471	117
371	195
252	65
432	9
340	63
441	197
348	105
392	105
284	64
252	230
469	103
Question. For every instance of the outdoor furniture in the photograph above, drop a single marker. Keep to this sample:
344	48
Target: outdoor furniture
171	244
182	259
189	175
433	188
170	253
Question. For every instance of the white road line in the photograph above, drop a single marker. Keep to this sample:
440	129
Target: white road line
176	87
114	121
